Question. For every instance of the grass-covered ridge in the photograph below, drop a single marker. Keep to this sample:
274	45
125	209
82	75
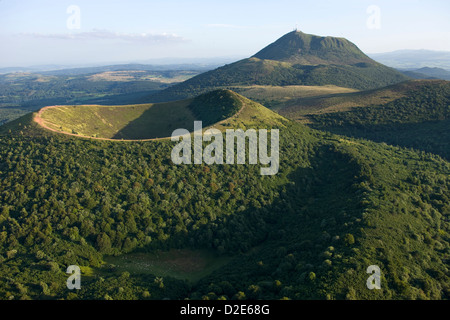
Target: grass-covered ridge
147	121
118	122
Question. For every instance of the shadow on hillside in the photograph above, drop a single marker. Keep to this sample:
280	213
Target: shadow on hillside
159	121
428	136
312	213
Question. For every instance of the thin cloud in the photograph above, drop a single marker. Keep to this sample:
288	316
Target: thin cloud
149	38
228	26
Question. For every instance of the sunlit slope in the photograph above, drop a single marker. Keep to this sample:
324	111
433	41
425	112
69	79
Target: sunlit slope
295	59
296	108
417	115
279	97
119	122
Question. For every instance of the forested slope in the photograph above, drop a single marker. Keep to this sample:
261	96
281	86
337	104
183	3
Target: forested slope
336	207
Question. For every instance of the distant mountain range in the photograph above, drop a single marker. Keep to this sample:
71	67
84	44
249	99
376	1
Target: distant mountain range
414	59
305	50
427	73
150	64
65	70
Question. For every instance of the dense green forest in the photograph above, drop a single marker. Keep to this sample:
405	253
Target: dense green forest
336	207
421	120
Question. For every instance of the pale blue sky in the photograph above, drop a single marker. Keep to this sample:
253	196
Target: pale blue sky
36	32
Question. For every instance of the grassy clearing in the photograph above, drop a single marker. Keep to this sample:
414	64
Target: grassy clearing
337	102
278	97
87	272
296	109
186	264
142	75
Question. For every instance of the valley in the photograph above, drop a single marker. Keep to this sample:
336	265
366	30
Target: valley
23	92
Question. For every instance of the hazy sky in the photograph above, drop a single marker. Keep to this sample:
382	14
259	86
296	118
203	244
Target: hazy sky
34	32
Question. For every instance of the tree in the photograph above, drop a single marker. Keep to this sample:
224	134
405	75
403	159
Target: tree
240	296
349	239
103	243
160	282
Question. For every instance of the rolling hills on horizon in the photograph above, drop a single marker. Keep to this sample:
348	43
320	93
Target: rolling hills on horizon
414	59
428	73
24	92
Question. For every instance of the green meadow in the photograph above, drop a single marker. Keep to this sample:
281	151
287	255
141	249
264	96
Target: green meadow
183	264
